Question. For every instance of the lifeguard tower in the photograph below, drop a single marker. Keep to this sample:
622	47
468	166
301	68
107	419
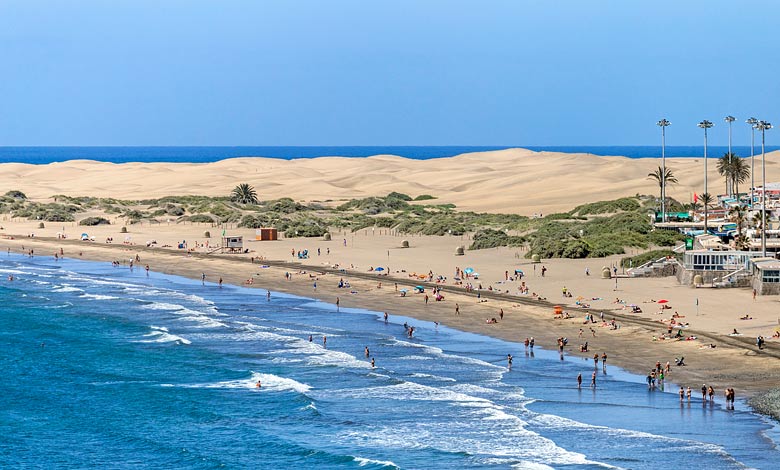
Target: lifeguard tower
233	244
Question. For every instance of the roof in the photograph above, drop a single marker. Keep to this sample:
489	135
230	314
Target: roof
767	263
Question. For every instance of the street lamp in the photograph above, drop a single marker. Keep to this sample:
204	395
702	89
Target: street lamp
663	123
729	119
753	122
763	126
705	124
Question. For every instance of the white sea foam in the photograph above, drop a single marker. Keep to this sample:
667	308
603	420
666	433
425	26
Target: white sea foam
13	271
362	462
416	358
204	321
99	297
434	377
160	334
67	288
269	382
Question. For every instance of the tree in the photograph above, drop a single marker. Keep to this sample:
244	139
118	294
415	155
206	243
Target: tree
735	170
738	215
706	201
244	194
660	175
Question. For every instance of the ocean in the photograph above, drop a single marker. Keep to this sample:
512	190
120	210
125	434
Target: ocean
107	367
44	155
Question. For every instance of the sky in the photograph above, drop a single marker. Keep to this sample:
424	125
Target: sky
400	72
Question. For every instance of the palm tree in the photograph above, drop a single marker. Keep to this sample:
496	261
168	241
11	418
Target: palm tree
738	214
660	175
706	202
739	174
244	194
734	170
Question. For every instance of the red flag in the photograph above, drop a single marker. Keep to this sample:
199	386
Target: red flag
695	197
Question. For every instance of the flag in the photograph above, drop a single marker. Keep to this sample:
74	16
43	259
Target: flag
695	197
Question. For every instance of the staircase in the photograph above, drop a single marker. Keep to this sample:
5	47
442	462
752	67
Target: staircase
658	268
739	278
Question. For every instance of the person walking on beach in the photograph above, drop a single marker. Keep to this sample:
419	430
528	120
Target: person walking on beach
373	364
457	309
532	343
501	314
315	286
268	295
593	380
704	392
426	299
220	283
338	301
596	361
324	341
711	393
579	380
604	361
544	270
509	361
385	318
367	353
688	393
526	342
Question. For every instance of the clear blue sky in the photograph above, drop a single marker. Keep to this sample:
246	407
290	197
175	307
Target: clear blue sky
401	72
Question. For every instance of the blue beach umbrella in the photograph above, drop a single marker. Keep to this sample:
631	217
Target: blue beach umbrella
468	270
379	269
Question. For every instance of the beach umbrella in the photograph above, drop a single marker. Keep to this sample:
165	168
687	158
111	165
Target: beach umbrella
468	270
404	290
663	301
379	269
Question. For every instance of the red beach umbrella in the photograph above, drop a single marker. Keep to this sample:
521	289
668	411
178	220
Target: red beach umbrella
663	301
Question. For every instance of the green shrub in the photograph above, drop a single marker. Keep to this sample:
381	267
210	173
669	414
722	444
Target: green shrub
91	221
424	197
16	194
490	238
204	218
400	196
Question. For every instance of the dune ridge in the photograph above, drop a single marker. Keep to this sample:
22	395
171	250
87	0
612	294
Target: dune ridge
517	181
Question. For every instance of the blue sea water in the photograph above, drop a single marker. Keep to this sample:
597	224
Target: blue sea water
110	368
43	155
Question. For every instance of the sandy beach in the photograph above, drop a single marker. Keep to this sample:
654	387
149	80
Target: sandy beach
541	183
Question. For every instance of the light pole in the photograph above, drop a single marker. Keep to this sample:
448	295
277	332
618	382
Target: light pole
763	126
729	119
753	122
663	123
705	124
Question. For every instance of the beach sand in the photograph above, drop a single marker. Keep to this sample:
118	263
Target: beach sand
538	183
508	181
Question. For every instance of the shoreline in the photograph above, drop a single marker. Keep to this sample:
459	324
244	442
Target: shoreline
734	363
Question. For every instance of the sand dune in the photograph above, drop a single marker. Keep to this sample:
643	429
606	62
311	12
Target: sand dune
515	180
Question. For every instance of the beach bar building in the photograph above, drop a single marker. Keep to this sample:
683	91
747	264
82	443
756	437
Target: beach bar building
717	266
266	234
233	244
